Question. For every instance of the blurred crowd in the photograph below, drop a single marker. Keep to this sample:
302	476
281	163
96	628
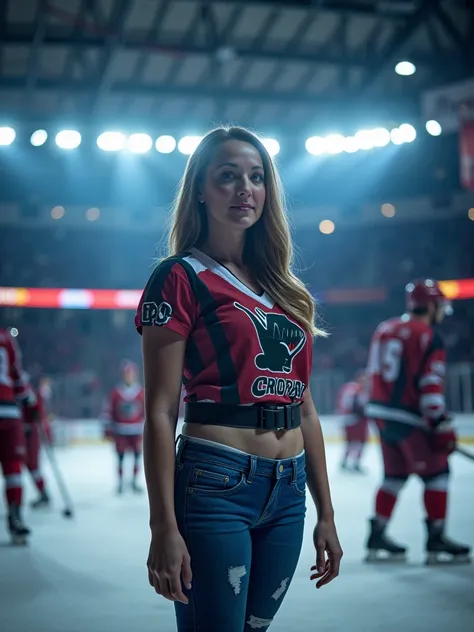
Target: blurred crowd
386	255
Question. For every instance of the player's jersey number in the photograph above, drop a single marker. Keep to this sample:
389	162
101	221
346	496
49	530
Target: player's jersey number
5	379
386	358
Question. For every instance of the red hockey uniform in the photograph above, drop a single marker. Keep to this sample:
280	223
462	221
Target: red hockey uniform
125	414
407	364
225	323
351	402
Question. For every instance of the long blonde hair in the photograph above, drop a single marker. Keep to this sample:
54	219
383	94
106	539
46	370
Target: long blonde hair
268	248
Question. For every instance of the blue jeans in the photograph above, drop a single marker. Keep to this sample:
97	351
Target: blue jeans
242	519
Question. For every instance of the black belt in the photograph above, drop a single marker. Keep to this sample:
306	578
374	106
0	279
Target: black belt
261	416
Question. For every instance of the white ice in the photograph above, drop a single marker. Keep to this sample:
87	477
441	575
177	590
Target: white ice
88	574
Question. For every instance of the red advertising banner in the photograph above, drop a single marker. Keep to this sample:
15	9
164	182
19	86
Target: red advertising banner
70	298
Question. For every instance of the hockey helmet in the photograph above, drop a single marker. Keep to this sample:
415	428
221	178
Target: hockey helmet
423	292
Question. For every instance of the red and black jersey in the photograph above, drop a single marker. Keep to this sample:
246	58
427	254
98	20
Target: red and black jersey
14	383
351	402
124	411
241	348
407	365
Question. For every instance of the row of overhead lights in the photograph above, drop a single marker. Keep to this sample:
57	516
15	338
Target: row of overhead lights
140	143
326	226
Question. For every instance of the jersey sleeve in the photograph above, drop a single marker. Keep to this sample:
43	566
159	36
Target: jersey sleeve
20	379
168	300
431	381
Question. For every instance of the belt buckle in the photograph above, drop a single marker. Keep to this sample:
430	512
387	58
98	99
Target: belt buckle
273	409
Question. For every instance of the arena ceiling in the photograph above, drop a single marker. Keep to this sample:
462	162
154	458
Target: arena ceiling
258	62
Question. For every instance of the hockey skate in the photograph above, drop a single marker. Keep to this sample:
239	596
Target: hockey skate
440	549
41	502
120	487
18	531
381	548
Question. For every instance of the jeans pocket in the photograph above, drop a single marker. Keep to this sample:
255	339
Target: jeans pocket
299	485
215	479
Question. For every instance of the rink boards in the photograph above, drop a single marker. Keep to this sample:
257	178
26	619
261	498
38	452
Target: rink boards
90	431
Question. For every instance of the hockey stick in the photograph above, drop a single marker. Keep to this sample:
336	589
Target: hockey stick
68	509
464	452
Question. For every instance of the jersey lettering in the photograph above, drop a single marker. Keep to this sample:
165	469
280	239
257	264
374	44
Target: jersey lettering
5	378
385	358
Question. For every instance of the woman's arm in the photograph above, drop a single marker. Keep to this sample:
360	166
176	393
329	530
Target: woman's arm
163	358
316	470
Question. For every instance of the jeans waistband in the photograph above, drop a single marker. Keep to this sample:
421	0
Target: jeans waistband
194	449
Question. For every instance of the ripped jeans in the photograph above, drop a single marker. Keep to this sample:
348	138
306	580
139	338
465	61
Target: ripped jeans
242	519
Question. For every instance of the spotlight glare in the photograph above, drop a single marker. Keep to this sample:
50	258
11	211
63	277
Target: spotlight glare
92	214
165	144
7	136
433	128
365	139
408	132
188	144
68	139
396	136
470	214
271	145
139	143
326	226
351	145
57	212
13	332
405	68
387	210
315	145
334	143
380	137
39	137
111	141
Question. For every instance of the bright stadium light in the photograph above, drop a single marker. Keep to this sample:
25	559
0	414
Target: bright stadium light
351	145
7	136
165	144
315	145
326	226
433	128
405	68
271	145
396	136
111	141
39	137
365	139
139	143
334	144
380	137
408	132
68	139
188	144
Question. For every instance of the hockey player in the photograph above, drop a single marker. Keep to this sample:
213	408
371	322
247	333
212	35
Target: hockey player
14	389
351	402
407	363
124	417
34	417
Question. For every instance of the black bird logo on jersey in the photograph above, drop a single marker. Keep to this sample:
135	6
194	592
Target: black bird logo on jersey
280	339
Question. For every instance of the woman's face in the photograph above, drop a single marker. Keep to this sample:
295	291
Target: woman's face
234	186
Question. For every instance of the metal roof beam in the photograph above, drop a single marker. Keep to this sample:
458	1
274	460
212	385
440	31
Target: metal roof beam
187	48
256	96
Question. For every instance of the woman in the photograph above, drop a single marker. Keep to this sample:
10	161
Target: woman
225	315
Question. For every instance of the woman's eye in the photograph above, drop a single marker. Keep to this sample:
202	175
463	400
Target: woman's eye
257	177
227	175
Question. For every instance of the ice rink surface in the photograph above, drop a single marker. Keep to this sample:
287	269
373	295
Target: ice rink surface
88	574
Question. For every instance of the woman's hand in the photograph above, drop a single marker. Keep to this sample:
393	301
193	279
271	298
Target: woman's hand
326	542
169	562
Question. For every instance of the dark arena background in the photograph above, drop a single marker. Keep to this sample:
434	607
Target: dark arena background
368	109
